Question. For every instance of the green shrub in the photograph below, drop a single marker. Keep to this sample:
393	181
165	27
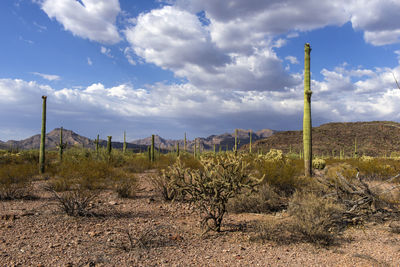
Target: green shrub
15	180
283	175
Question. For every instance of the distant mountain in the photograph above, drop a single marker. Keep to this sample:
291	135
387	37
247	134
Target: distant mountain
375	138
69	137
226	140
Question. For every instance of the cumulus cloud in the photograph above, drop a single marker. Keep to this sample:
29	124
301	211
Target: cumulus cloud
378	19
91	19
48	77
176	40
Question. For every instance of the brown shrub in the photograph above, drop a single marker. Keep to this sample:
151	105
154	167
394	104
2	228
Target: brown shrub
317	219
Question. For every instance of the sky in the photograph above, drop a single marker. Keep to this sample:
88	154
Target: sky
202	67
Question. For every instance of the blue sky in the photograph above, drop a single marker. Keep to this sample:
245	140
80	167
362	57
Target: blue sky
197	66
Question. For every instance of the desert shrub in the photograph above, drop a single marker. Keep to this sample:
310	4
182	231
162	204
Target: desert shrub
126	185
378	168
15	180
280	174
346	170
75	202
318	164
163	185
262	200
317	219
209	188
87	173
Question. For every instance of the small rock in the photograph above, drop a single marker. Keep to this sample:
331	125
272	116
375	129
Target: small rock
113	203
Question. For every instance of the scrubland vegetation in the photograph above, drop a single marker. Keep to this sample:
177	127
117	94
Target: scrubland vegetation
343	193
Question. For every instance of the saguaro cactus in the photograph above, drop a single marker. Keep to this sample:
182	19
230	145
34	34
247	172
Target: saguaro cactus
97	142
152	148
61	145
236	141
250	133
124	145
42	137
109	148
184	144
177	149
355	147
307	139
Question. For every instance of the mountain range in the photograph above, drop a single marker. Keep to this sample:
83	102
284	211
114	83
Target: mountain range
225	141
375	138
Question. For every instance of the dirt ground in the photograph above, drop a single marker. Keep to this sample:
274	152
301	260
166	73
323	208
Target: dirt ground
145	231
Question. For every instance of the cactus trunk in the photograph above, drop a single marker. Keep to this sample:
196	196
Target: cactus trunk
43	138
236	141
251	133
109	148
185	144
152	148
307	139
61	145
124	146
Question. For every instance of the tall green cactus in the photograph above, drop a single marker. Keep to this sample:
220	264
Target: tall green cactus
355	147
195	148
149	152
236	141
109	147
43	138
61	145
152	148
307	139
185	144
97	142
124	146
177	149
250	144
214	150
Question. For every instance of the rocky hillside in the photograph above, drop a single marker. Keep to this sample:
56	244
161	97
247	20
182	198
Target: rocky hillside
375	138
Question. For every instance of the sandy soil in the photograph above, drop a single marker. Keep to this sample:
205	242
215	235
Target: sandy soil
145	231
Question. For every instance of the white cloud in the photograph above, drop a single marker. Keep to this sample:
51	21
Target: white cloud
378	19
176	40
48	77
128	52
89	61
92	19
106	51
292	59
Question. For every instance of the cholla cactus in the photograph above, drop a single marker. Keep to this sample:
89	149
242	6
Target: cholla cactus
318	164
274	155
221	177
42	137
366	158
